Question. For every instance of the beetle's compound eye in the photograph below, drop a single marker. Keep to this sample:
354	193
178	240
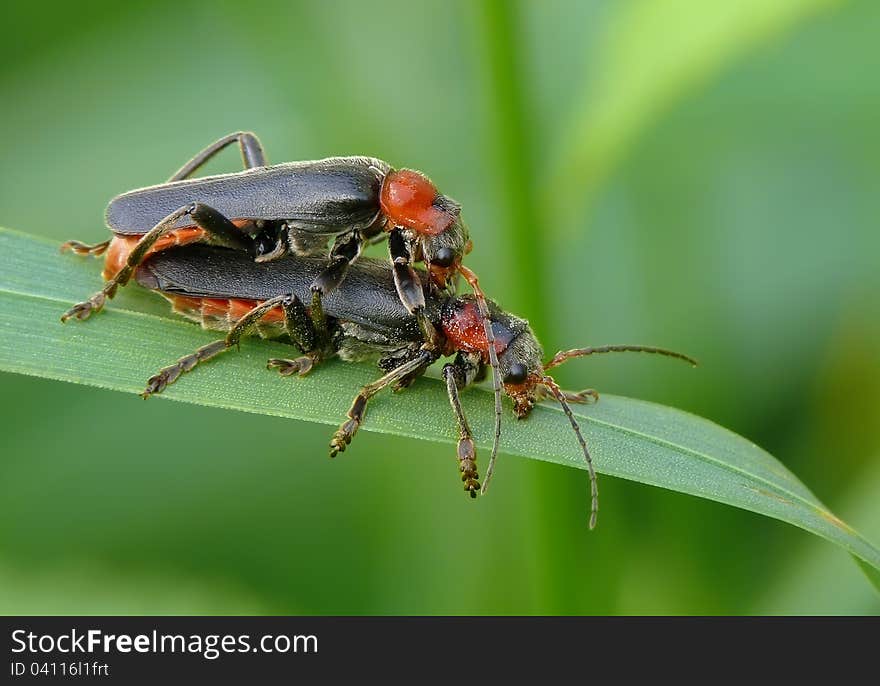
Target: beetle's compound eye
517	374
444	257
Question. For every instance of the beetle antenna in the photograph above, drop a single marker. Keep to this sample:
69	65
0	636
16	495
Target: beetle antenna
565	355
483	306
594	489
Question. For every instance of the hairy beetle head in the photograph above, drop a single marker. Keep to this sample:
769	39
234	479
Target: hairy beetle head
521	371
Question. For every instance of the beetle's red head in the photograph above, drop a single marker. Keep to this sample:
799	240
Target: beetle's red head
409	199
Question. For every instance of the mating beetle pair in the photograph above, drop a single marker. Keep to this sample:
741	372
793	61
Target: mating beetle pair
297	207
255	275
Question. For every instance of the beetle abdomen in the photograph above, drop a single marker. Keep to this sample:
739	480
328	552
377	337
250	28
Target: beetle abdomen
121	246
220	314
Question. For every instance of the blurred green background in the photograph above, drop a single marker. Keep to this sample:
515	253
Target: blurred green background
702	176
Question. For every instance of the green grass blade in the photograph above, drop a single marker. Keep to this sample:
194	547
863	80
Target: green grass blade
119	348
871	572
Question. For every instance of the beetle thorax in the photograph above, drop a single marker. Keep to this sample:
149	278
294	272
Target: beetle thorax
409	199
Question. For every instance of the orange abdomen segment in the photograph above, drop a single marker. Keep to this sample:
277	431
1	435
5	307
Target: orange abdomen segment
121	246
221	313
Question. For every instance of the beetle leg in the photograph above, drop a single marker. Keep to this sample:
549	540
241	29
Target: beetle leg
299	325
346	249
458	375
204	217
301	330
349	428
288	367
86	249
393	361
588	395
271	243
406	281
168	375
251	153
409	287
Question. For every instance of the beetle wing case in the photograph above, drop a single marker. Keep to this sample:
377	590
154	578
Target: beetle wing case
367	296
320	196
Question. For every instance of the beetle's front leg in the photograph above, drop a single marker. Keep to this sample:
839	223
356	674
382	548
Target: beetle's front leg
406	281
409	287
205	217
349	428
458	375
588	395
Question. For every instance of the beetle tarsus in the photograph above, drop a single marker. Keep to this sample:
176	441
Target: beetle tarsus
343	436
346	249
300	366
167	376
467	459
349	427
85	309
79	248
586	396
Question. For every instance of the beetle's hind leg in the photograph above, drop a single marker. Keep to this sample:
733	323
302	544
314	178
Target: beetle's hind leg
349	428
95	249
215	224
252	154
296	324
168	375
